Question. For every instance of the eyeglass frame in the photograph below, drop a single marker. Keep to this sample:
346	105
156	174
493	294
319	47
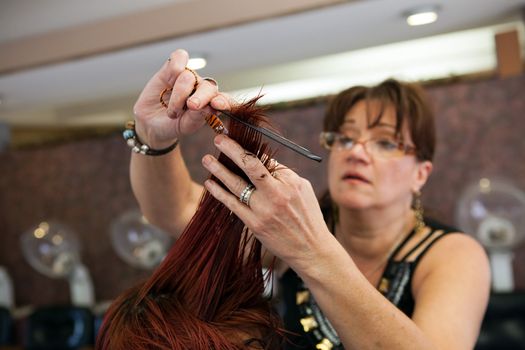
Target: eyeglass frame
401	146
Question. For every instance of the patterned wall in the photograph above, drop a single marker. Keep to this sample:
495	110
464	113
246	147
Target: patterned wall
85	184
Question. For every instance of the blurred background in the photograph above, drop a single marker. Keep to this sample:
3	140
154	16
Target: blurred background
71	236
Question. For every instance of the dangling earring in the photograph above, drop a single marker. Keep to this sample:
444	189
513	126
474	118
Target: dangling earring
418	210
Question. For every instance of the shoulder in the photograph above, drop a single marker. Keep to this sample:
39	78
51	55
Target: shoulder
455	275
457	242
454	253
455	247
451	287
449	248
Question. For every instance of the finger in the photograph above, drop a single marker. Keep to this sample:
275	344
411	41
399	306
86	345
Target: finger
222	102
203	95
170	71
280	171
185	84
233	182
164	78
175	65
230	201
248	162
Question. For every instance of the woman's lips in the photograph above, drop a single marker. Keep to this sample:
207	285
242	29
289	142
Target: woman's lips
351	176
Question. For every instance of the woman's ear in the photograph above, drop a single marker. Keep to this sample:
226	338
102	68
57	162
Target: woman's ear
423	171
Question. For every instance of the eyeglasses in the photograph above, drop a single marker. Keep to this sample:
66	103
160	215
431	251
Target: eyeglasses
383	146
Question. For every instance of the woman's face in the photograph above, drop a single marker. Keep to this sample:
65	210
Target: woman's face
359	179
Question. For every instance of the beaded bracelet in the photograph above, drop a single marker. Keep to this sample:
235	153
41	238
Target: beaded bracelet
137	146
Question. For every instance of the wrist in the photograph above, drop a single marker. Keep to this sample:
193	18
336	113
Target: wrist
152	139
139	146
323	262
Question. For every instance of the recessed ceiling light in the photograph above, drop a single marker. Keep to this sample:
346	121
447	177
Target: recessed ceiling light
422	15
196	63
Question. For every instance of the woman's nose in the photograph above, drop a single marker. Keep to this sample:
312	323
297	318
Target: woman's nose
358	151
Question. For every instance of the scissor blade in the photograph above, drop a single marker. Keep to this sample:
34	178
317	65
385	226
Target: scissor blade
278	138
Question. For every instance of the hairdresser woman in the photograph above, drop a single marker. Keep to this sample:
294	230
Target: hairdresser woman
349	277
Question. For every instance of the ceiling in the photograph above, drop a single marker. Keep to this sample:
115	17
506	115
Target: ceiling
76	62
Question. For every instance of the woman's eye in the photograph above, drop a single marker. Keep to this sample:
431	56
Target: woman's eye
386	144
346	141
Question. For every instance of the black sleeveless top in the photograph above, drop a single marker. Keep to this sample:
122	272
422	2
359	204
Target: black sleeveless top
305	320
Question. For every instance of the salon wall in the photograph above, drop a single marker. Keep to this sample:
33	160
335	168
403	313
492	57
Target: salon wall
85	184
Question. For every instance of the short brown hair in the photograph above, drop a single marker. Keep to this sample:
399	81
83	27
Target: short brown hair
410	104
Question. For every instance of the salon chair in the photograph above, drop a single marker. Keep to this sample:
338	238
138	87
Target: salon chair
503	327
59	328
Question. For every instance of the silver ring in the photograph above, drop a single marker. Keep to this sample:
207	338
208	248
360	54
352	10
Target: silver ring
212	81
246	194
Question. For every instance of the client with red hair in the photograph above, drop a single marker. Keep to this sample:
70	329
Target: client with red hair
208	291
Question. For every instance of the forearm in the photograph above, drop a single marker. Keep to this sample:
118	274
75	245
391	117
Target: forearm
162	184
362	317
164	189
